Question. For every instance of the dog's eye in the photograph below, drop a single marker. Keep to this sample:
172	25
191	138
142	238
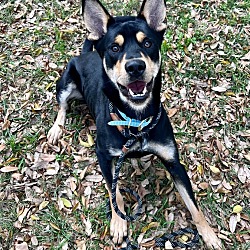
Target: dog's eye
115	48
147	44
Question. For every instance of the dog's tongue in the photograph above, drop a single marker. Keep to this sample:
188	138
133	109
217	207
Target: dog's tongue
137	86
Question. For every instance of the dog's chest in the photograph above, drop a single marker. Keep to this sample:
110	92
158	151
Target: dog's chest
165	151
137	146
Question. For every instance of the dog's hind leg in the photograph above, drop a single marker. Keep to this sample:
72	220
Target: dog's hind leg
184	188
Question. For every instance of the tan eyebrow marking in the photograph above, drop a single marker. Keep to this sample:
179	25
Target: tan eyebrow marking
119	40
140	36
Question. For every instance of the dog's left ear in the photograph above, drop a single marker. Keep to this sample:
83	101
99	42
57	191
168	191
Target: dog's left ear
154	12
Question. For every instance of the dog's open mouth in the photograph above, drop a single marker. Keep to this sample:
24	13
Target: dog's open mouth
137	90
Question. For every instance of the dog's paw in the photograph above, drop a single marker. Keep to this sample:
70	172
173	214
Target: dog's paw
118	229
54	134
210	238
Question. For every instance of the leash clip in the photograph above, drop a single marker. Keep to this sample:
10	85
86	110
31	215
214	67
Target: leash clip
145	123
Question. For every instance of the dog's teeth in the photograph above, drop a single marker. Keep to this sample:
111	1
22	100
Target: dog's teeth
139	94
131	92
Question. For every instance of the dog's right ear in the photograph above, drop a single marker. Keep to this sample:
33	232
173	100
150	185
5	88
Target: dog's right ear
96	18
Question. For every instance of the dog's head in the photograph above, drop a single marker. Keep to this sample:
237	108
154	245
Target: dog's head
129	47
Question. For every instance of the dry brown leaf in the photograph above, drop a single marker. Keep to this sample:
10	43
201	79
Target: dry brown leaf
2	147
233	223
219	89
243	174
47	157
87	191
214	169
8	169
94	178
43	205
21	246
29	58
23	215
34	240
172	112
88	226
81	245
203	185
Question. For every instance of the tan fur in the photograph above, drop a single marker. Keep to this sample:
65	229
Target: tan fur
203	228
118	226
140	36
119	40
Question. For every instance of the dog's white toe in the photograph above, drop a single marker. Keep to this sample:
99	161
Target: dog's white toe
54	134
210	238
118	229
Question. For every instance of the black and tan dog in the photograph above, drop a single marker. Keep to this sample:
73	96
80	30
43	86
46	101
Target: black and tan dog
125	69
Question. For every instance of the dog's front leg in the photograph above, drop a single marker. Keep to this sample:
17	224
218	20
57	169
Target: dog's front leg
56	130
184	187
118	226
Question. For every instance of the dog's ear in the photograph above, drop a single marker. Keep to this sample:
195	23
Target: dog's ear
96	18
154	12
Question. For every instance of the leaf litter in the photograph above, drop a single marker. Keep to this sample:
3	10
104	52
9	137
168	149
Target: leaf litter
206	93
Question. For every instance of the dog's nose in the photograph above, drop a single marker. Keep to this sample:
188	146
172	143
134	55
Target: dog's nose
135	67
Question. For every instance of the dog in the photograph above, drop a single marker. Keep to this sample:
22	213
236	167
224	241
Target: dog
124	69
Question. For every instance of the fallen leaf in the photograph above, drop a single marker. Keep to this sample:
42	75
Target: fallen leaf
54	226
219	89
246	56
29	58
94	178
172	112
237	209
66	203
87	191
2	147
21	246
247	156
8	169
233	223
214	169
150	225
34	217
88	226
34	240
43	205
90	140
168	245
23	215
81	245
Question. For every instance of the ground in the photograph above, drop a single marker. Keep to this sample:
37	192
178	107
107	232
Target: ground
54	197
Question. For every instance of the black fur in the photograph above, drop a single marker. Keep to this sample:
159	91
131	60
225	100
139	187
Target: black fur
87	73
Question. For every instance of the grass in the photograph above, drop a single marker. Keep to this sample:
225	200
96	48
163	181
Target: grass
27	101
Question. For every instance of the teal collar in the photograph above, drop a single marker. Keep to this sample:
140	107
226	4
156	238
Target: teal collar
130	122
